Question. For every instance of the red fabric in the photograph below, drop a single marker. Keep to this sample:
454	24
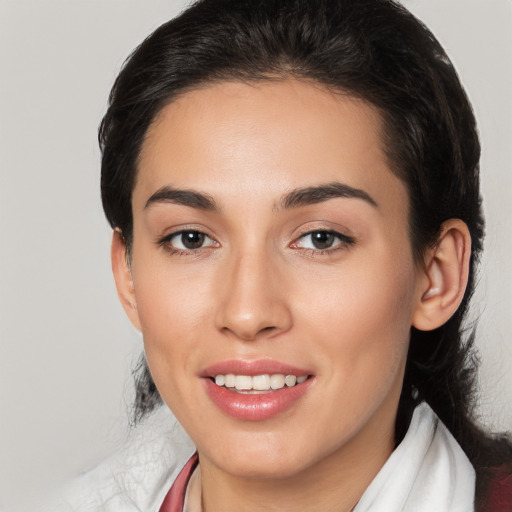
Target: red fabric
499	493
175	498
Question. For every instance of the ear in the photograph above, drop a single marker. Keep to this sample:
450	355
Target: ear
445	276
123	278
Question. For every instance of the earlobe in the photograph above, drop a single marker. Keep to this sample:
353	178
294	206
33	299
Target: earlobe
445	277
123	278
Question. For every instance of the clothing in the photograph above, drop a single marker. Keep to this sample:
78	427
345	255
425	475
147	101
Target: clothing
499	494
137	477
175	501
427	472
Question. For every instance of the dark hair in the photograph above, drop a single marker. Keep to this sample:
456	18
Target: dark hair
372	49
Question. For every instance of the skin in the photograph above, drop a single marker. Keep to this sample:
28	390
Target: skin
258	288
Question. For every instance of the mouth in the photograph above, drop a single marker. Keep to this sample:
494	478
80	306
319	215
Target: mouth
257	384
256	390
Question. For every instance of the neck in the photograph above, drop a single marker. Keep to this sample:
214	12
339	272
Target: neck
333	484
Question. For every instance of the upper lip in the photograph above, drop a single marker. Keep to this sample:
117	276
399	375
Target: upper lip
252	368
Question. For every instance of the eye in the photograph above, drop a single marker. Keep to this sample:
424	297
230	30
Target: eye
322	240
188	240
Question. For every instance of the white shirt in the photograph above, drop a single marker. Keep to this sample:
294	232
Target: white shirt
428	472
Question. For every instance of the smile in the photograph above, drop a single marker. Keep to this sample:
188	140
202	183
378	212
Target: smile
256	390
258	383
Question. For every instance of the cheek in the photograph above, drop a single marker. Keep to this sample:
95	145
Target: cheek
169	297
173	309
362	315
361	331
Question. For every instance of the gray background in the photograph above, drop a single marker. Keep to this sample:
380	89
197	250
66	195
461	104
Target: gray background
65	346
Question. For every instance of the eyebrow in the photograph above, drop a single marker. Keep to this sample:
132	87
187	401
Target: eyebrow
294	199
317	194
182	197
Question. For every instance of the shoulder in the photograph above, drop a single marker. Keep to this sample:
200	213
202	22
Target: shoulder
135	478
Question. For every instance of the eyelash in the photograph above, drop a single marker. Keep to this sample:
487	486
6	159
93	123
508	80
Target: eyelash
165	242
344	241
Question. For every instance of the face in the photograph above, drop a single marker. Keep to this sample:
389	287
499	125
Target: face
271	250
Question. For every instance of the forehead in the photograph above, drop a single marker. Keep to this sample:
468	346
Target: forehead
265	138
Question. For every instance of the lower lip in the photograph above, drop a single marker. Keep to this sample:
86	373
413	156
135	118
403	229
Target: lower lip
255	407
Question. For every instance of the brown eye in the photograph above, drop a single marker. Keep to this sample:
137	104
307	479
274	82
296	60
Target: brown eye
187	240
322	239
192	239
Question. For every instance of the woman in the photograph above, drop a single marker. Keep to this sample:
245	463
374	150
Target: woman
293	188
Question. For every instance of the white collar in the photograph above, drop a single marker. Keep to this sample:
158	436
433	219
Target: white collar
427	472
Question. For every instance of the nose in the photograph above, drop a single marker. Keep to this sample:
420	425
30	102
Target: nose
253	300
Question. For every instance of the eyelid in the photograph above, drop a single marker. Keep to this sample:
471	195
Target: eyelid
337	234
324	225
169	231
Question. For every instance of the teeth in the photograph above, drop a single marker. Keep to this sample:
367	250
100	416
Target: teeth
243	382
290	380
229	380
261	382
258	382
277	381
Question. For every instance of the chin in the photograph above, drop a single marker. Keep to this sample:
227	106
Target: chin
274	458
264	469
